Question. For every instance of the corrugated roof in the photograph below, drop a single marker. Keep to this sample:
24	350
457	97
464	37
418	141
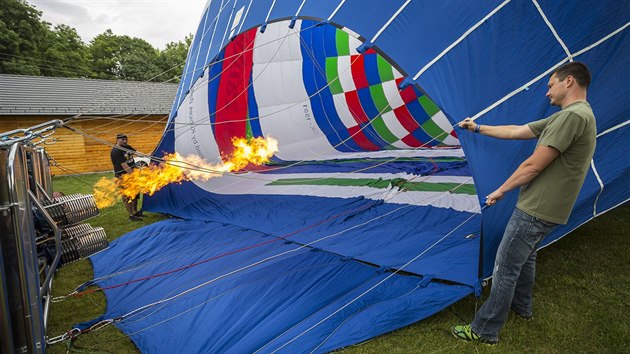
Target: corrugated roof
42	95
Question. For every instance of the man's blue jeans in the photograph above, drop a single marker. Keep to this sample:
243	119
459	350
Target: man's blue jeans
513	275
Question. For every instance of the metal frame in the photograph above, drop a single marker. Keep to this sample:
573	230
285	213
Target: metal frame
20	273
25	196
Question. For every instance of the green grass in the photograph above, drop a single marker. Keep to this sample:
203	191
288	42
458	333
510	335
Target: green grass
75	310
582	296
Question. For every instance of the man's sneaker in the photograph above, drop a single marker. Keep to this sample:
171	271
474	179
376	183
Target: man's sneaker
523	316
134	218
464	332
140	214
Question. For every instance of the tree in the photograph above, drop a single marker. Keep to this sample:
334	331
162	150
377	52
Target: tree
123	58
65	54
172	59
138	60
28	46
21	36
103	51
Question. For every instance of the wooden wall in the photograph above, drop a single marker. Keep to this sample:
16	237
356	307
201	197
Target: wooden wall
80	154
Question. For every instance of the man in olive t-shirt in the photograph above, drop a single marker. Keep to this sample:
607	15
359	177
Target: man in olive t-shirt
551	195
550	180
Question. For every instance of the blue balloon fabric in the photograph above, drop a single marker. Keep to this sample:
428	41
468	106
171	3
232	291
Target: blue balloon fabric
369	217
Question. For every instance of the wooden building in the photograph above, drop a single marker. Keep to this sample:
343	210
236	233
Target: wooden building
97	109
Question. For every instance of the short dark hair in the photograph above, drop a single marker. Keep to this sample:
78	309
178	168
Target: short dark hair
578	70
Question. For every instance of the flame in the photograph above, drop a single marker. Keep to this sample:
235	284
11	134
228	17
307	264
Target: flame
105	192
177	168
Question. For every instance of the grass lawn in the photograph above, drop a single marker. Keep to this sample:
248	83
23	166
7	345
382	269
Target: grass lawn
582	296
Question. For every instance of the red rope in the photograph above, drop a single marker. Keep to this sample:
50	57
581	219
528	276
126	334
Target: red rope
280	238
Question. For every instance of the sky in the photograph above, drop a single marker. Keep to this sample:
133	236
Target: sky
156	21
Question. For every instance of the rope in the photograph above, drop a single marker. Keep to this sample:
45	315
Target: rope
164	300
202	169
72	173
189	266
228	104
225	106
338	326
273	276
386	197
150	123
280	238
192	90
286	108
168	299
61	68
380	282
412	260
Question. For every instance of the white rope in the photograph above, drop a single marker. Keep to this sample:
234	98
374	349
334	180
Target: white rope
198	48
253	264
553	30
209	50
518	90
337	175
191	53
249	176
140	309
214	30
337	9
390	21
333	331
618	126
197	122
379	283
227	28
202	169
198	83
601	187
550	70
98	130
203	35
244	91
300	8
270	8
245	16
463	36
214	298
607	37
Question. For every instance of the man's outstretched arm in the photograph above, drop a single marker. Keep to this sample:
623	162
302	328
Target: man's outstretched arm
512	132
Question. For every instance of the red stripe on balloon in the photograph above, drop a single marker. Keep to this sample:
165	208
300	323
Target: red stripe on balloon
231	108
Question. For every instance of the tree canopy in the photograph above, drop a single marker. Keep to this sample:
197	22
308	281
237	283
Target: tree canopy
30	46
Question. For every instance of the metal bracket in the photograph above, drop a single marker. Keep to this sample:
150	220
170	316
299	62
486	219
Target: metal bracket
4	209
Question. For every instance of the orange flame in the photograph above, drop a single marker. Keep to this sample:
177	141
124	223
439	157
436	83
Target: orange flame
105	192
177	168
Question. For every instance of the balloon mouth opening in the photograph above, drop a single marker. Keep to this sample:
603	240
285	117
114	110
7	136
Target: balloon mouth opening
307	86
353	83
